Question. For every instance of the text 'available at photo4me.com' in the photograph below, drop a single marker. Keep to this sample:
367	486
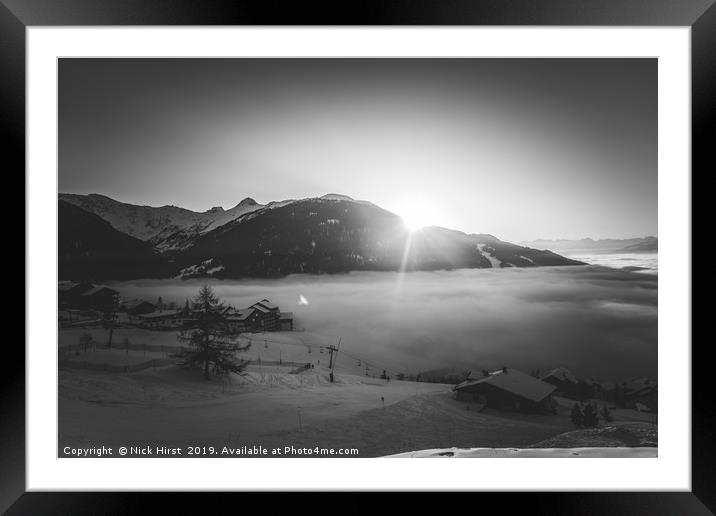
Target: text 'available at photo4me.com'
205	451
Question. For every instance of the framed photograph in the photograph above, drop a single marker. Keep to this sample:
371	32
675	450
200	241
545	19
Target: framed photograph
418	250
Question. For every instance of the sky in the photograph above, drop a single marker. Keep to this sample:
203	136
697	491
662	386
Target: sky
518	148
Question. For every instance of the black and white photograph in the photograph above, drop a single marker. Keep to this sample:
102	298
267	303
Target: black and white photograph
357	257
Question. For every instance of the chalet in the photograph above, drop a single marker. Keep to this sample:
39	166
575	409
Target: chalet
69	292
562	378
642	394
244	320
269	315
99	298
137	307
568	385
508	389
285	321
162	320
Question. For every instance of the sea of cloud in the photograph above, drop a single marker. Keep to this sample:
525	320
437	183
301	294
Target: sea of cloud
597	321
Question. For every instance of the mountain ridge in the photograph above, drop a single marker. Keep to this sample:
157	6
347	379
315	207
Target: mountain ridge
329	234
647	244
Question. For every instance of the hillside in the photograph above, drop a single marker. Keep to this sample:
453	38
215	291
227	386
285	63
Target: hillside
90	249
165	227
649	244
329	234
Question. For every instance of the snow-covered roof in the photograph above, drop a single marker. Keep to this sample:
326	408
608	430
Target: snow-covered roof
100	288
267	304
240	315
514	381
133	303
563	374
160	314
642	381
260	308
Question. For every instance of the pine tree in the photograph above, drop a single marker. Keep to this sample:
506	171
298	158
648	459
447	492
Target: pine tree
576	415
209	346
590	418
606	414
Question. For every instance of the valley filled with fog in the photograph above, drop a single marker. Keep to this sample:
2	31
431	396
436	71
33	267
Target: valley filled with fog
597	321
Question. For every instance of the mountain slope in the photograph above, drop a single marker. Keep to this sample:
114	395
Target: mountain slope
333	234
606	245
90	249
328	234
166	227
647	245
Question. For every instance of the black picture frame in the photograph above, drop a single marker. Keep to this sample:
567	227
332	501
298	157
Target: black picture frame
17	15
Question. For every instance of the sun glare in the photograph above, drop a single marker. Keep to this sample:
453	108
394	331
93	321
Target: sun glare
414	217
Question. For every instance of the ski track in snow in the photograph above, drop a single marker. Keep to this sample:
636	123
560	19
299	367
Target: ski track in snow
496	264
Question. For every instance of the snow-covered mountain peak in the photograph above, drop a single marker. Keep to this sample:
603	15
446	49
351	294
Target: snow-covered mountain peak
248	201
336	197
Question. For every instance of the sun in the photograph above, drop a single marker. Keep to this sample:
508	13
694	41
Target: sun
414	216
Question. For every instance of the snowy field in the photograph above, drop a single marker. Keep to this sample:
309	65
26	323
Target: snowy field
271	408
561	453
597	322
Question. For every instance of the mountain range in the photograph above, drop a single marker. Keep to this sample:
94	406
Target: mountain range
648	244
101	238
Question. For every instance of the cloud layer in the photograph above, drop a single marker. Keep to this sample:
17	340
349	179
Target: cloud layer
599	322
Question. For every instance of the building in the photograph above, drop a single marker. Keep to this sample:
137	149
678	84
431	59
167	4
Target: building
137	307
261	316
568	385
99	298
68	293
162	320
285	321
245	320
642	394
508	389
269	315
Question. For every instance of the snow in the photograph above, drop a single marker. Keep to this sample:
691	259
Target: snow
167	227
516	382
564	453
336	197
227	216
563	374
205	267
170	404
171	228
528	259
496	264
